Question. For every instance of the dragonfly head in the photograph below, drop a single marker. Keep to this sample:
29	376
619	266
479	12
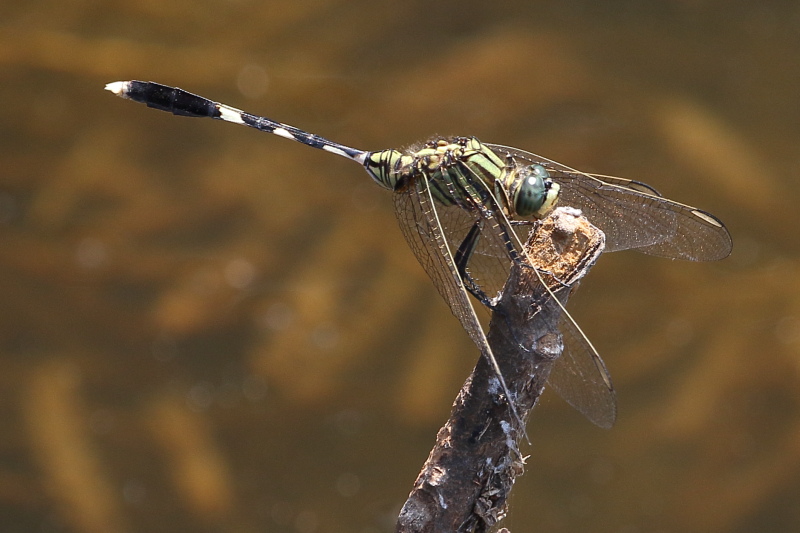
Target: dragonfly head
533	192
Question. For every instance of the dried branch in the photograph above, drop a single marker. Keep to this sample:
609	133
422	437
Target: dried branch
466	481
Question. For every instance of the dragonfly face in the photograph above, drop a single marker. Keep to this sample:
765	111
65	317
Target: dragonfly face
465	208
531	191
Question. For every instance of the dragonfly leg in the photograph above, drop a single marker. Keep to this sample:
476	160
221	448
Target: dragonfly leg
462	257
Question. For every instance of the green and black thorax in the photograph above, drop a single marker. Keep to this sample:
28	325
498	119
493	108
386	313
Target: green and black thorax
464	172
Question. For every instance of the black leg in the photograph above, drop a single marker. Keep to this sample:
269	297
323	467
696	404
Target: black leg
463	255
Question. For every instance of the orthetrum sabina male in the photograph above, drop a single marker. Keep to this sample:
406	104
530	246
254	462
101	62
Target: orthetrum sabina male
465	207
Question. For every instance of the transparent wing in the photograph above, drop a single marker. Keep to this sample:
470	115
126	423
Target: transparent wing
581	378
634	215
628	184
421	226
490	263
579	375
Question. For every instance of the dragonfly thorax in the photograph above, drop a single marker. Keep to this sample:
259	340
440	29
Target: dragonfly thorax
392	169
458	170
463	171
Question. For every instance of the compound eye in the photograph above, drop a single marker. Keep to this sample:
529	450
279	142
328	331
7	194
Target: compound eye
532	192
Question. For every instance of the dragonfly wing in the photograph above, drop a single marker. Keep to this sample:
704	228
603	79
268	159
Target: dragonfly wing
628	184
699	237
435	231
633	215
579	374
419	220
490	263
581	378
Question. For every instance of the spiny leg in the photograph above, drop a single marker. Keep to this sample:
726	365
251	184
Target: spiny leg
462	258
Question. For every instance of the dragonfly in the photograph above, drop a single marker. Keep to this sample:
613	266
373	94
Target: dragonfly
465	207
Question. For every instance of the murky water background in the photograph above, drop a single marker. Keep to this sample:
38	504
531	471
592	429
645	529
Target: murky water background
204	328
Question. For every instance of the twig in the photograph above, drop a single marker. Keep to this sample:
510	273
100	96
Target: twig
466	481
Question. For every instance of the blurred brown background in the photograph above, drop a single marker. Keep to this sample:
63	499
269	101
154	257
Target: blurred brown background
205	328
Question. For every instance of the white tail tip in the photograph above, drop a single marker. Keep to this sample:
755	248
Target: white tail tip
118	87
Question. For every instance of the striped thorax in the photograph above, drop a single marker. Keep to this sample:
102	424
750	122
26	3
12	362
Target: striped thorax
463	171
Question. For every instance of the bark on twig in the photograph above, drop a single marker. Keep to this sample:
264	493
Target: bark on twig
465	483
